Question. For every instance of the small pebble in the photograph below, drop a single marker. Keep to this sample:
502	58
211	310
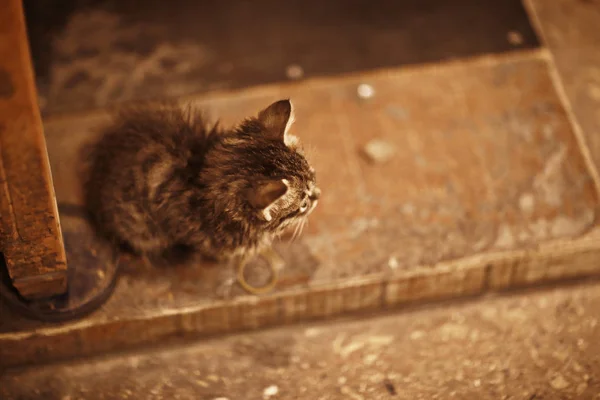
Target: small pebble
559	382
415	335
294	71
312	332
365	91
379	151
270	391
527	203
514	38
370	359
561	355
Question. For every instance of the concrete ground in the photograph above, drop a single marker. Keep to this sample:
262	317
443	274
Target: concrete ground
533	345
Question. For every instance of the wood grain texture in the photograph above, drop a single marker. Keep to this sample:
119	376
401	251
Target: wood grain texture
30	234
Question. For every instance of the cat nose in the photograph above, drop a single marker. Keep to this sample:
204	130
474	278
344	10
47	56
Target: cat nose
316	193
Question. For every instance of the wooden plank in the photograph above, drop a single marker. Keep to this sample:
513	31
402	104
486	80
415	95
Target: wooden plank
30	234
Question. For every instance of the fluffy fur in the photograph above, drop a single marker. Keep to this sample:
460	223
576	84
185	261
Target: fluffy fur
161	178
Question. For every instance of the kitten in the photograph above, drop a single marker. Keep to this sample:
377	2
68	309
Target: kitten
161	179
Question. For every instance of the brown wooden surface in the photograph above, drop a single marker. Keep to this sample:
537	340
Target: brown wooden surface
30	234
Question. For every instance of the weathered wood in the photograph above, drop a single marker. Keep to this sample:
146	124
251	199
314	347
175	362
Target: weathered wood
30	234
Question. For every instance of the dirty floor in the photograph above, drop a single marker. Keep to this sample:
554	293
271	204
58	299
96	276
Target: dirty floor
537	345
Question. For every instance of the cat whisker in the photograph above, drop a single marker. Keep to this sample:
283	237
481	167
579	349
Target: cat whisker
311	150
294	233
301	228
296	230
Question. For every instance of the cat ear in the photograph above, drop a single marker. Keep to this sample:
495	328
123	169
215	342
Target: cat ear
264	194
278	118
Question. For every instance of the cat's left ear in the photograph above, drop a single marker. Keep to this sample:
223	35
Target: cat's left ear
264	194
277	119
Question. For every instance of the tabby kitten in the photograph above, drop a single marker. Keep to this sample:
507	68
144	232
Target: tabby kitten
162	179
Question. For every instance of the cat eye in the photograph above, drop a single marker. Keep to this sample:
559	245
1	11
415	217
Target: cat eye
304	205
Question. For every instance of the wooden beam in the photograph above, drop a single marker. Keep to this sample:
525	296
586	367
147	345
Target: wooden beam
30	234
